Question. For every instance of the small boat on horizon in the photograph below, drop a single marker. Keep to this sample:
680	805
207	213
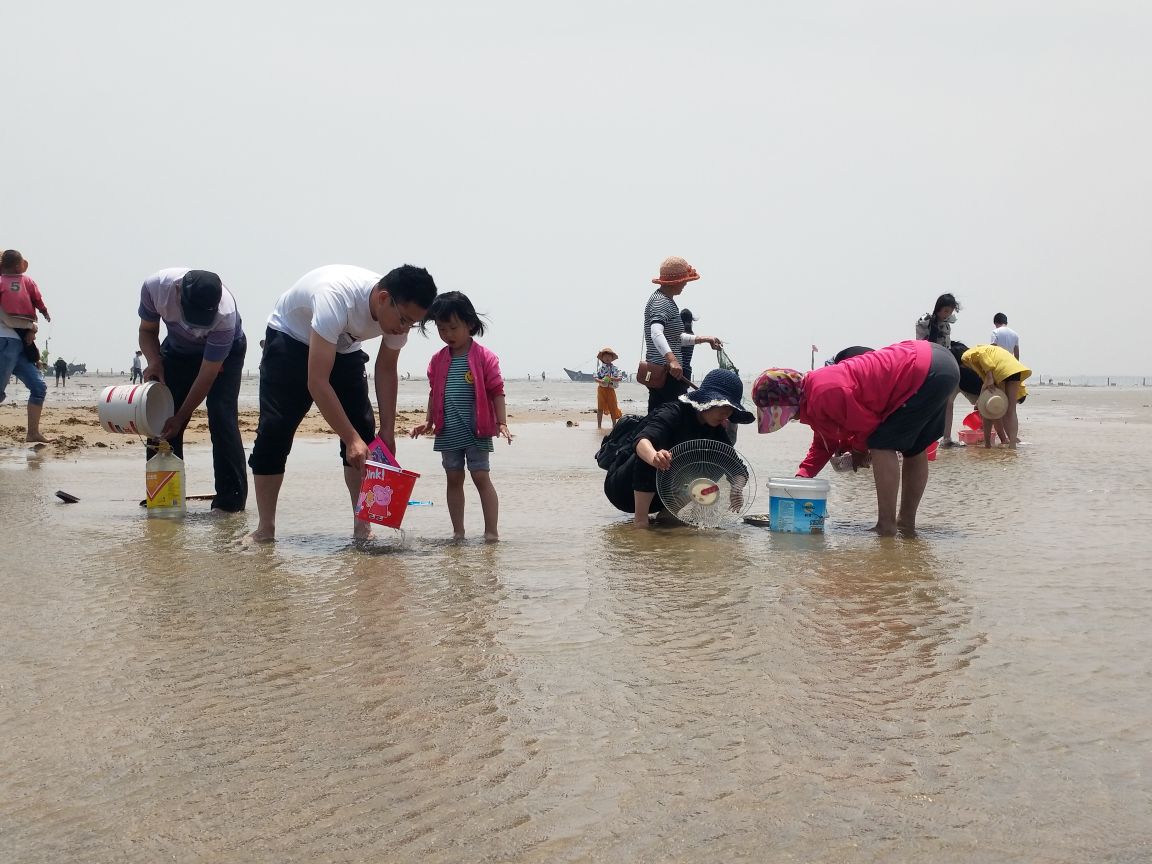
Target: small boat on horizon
579	376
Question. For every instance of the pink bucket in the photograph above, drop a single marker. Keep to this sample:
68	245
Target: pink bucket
384	494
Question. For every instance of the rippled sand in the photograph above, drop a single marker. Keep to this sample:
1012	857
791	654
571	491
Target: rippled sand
582	691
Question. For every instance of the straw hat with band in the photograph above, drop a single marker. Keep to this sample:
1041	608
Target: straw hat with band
992	403
600	354
720	388
675	271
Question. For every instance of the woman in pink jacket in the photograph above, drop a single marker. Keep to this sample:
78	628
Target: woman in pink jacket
889	403
465	408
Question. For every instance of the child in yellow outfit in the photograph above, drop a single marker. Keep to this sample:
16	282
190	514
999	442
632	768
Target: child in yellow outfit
1000	369
608	378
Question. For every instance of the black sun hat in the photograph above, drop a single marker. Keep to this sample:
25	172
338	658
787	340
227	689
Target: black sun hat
720	387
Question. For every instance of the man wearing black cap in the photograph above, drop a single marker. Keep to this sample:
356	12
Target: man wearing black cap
202	357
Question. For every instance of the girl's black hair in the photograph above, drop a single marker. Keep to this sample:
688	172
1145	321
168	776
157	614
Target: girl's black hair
454	303
934	323
945	300
686	317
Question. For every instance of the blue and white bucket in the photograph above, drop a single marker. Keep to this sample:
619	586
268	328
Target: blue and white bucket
797	505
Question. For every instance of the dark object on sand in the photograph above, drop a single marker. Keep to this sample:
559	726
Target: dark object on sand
66	498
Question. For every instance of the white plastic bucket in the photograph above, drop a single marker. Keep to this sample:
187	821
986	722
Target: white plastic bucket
136	409
797	505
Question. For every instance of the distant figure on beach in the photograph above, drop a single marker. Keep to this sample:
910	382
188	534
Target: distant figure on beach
201	358
543	376
630	483
312	353
16	349
608	378
137	367
838	450
664	330
20	298
887	403
687	345
1004	336
998	368
466	408
61	368
936	326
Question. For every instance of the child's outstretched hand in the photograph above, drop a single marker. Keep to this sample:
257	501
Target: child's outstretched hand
423	428
505	433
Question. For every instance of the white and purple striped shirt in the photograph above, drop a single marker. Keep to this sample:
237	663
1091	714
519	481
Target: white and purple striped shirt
160	301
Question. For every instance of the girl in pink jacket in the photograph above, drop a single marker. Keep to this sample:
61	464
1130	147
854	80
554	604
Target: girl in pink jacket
465	408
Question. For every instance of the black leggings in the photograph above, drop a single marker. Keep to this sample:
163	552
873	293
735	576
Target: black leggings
229	473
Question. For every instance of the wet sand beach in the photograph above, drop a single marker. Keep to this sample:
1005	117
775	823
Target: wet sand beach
582	691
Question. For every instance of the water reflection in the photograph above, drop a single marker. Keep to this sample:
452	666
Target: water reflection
583	691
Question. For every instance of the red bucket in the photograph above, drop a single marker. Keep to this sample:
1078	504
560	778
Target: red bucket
384	494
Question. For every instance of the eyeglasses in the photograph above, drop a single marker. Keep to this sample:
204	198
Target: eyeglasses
406	323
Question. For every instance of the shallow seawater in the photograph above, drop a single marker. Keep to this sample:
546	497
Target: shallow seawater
581	691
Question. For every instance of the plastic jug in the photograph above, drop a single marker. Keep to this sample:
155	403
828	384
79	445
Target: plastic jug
164	479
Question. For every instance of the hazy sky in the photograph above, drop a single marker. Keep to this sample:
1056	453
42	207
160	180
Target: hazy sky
828	167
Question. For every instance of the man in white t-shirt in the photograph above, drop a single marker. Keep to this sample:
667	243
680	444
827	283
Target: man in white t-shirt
1005	336
312	354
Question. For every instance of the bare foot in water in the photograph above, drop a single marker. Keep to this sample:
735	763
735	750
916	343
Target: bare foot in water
260	535
884	530
362	532
458	537
491	537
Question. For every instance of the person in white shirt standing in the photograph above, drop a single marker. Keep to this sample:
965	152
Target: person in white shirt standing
312	354
1005	336
137	367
